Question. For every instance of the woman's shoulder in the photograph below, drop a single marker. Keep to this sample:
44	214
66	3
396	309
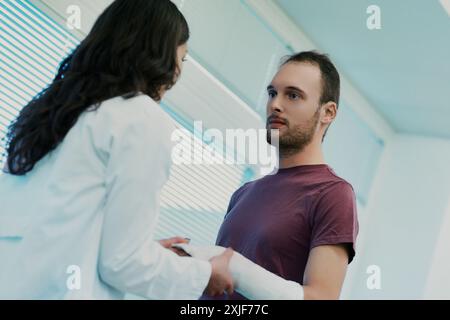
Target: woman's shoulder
139	119
131	107
134	111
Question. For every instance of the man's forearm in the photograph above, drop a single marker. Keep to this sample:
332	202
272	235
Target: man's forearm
251	280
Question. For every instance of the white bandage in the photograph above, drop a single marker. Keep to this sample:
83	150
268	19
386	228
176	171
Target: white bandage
250	279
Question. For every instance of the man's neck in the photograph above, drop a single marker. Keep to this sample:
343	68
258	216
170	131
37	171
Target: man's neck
310	155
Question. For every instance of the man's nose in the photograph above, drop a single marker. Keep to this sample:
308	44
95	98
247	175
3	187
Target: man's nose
274	106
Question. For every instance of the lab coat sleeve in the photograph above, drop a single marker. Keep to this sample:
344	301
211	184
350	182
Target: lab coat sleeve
138	166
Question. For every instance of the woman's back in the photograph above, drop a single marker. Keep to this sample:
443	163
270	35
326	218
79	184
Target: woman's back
58	208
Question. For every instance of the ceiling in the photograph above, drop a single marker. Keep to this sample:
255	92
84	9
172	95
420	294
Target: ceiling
403	69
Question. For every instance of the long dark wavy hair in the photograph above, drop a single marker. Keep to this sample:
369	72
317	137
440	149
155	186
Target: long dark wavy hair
131	48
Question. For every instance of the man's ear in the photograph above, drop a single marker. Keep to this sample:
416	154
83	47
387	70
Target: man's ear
329	112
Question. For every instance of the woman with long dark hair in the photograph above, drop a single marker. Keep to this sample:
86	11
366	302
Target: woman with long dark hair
86	160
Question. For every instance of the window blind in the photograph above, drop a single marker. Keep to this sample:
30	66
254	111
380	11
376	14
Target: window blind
32	46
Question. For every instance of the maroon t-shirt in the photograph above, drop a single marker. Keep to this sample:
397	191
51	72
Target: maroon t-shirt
275	221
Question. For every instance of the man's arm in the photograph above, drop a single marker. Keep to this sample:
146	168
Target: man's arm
325	272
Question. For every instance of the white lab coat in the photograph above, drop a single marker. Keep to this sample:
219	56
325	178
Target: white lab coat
80	224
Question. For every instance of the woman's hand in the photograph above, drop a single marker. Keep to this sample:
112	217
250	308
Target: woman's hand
167	243
221	280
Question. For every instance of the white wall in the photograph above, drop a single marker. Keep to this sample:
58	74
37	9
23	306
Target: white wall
438	284
401	232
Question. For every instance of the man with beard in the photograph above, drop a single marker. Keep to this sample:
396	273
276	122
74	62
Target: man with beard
301	222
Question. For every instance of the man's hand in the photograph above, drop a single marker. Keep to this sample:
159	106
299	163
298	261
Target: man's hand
167	243
221	280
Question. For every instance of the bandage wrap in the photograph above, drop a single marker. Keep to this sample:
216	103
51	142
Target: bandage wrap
251	280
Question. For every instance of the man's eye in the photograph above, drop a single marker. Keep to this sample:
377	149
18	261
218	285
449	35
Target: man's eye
271	94
293	96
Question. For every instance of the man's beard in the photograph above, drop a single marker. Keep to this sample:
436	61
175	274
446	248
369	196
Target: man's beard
295	139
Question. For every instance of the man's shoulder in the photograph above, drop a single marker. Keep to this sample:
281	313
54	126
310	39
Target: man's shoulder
332	181
337	192
243	189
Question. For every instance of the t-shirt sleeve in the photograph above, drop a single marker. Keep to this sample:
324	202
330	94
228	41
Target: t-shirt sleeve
335	218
